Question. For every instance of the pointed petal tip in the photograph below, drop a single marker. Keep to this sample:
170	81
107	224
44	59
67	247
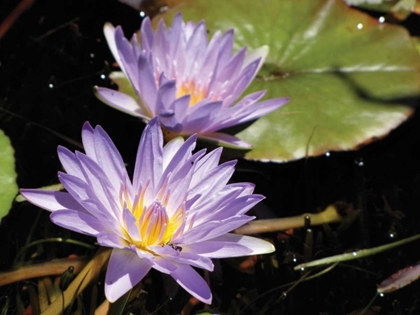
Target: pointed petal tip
263	51
112	295
154	121
146	22
108	28
226	140
86	126
24	191
193	283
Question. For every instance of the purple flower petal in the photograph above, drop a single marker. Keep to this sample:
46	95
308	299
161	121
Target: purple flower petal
121	101
225	52
109	159
204	165
125	270
195	260
126	56
146	34
207	79
109	32
170	149
173	216
51	200
212	229
69	161
84	195
146	85
78	222
162	265
263	108
226	140
149	156
88	139
215	180
259	53
192	282
231	245
130	223
110	239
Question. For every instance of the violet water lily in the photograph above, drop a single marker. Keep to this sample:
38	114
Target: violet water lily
175	213
190	83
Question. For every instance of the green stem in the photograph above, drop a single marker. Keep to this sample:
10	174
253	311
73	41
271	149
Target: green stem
357	254
329	215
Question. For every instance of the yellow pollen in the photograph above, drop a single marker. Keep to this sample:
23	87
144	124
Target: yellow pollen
153	223
197	93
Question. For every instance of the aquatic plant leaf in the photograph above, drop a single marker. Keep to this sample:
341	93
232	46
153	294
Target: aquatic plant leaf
416	43
349	76
8	186
399	279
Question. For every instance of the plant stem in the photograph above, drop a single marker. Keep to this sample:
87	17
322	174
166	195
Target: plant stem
329	215
357	254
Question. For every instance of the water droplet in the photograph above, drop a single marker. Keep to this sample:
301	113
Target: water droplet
359	26
327	154
359	162
302	269
103	77
381	294
381	19
392	235
51	86
354	254
92	55
142	14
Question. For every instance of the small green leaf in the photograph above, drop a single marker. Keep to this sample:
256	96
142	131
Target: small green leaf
8	186
349	76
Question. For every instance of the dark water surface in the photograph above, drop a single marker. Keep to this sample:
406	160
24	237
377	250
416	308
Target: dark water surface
49	62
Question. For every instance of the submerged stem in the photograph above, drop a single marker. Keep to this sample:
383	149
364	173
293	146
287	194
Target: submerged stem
88	274
329	215
357	254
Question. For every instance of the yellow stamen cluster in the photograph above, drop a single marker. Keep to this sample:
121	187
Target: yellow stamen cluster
196	92
155	224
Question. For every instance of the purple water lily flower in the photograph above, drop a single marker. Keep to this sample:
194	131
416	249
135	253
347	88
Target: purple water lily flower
191	84
174	215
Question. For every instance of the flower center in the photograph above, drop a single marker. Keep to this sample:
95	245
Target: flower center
156	225
153	224
196	92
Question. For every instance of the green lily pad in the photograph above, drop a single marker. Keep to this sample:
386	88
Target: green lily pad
350	77
416	43
8	187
